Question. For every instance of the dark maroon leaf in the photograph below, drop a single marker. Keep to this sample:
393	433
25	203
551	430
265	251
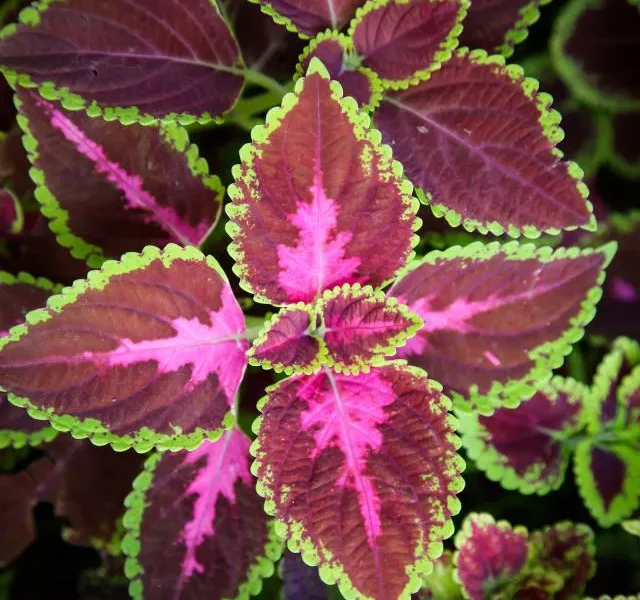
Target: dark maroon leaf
95	177
309	17
498	318
625	157
300	581
591	46
11	219
129	59
405	41
480	143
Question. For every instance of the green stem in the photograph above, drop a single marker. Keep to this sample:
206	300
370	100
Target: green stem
263	81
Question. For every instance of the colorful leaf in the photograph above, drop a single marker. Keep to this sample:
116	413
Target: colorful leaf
497	26
18	296
499	318
313	196
11	218
336	52
440	584
597	71
362	473
195	524
405	40
95	177
360	327
629	402
132	60
525	448
146	352
287	344
608	477
604	407
308	17
479	141
490	555
632	526
300	581
566	549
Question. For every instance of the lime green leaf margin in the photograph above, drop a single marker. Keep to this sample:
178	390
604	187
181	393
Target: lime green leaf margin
30	16
529	15
145	439
135	504
550	123
174	135
18	439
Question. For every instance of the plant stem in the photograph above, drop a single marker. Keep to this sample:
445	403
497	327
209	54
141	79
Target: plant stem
263	81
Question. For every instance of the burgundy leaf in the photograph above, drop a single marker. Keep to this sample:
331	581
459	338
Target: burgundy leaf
498	318
335	51
128	59
309	17
525	448
287	344
403	40
300	581
597	70
313	196
360	327
14	164
11	219
95	177
363	473
498	25
608	477
490	555
147	351
196	525
479	141
566	549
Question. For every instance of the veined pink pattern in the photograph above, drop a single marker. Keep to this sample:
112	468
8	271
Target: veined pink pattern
131	186
344	411
226	462
317	262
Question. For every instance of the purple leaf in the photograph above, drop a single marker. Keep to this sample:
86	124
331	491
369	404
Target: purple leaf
286	343
147	352
598	71
135	60
608	477
195	525
334	50
479	142
566	549
95	177
499	318
360	327
405	40
629	400
498	25
315	193
490	555
525	448
18	296
300	581
11	219
308	17
362	472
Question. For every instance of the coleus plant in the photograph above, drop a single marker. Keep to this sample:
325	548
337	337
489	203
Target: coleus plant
356	455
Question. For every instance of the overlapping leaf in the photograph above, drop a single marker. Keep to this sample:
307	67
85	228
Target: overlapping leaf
497	26
196	525
479	141
526	448
10	213
362	473
335	50
597	71
440	584
404	40
314	194
498	318
147	351
95	177
490	555
127	59
308	17
18	296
